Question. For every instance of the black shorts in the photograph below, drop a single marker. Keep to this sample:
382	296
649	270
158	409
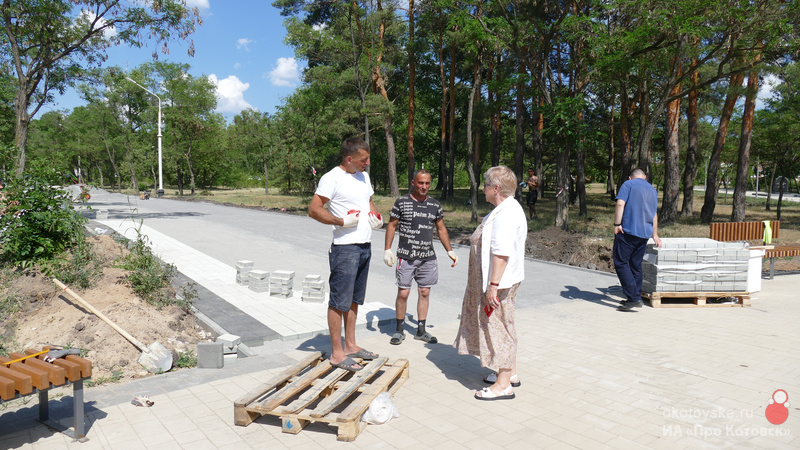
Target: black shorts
532	197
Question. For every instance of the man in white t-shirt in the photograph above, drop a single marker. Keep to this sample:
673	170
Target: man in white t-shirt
347	191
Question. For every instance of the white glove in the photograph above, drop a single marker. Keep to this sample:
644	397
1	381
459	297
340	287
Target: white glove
351	219
375	220
388	258
453	256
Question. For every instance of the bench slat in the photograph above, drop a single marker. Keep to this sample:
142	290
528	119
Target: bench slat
7	391
40	378
57	374
22	383
742	231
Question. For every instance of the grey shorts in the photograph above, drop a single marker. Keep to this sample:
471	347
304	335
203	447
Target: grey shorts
425	273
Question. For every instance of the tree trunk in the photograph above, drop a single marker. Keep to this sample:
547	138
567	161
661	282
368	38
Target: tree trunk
611	188
134	181
473	179
442	182
538	147
519	113
412	74
379	83
394	189
21	129
266	175
580	171
712	178
690	167
563	180
452	143
646	129
494	116
627	107
672	171
190	168
743	167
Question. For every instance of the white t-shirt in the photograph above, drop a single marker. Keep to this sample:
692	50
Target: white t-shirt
348	191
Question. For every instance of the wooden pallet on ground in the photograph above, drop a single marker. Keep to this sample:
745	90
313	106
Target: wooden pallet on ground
314	391
695	299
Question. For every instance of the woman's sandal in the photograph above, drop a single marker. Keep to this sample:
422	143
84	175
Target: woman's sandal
492	379
487	394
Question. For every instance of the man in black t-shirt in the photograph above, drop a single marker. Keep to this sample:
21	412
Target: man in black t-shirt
414	217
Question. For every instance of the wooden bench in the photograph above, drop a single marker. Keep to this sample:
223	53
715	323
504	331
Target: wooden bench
23	374
749	231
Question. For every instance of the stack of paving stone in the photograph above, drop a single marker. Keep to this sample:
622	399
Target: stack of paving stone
259	281
281	283
695	265
313	289
230	346
243	269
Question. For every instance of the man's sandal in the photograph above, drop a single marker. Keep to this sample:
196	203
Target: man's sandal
397	338
366	355
427	337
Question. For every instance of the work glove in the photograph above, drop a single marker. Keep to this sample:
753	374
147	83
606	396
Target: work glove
388	258
351	219
375	220
453	256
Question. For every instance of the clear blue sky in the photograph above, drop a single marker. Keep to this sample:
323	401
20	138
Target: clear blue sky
239	46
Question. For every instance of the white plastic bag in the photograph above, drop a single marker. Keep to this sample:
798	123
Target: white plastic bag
381	410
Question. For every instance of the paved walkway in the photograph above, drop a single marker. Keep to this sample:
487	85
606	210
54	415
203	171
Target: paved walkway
592	377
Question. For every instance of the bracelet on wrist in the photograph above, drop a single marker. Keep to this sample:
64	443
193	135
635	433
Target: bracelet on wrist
492	283
617	224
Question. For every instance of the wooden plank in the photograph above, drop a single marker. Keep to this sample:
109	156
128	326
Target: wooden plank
242	417
291	389
7	391
39	378
341	394
312	394
699	299
85	364
58	375
22	383
71	369
357	407
742	231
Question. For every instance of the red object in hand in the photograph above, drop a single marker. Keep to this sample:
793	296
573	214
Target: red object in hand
354	211
488	310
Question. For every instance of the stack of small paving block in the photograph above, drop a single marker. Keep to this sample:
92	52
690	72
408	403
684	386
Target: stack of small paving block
281	283
313	289
695	265
243	269
259	281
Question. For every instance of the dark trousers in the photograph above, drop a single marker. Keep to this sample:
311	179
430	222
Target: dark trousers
628	254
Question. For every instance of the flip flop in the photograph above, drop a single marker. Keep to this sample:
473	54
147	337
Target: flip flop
488	394
397	338
366	355
348	364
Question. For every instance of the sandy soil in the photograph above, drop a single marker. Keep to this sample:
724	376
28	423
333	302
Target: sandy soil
51	317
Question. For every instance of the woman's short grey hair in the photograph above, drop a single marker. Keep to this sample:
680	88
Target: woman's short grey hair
501	176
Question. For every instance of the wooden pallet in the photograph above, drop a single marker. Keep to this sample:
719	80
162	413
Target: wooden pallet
314	391
683	299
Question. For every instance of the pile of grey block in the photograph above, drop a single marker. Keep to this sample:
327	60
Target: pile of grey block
313	289
259	281
695	265
281	283
243	269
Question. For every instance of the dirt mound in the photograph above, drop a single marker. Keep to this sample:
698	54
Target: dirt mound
51	317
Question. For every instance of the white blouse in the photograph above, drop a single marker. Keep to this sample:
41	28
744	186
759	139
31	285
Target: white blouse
505	230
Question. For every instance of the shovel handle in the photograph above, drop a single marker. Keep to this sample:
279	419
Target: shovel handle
102	316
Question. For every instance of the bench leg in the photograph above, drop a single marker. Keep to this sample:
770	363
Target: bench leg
44	411
77	402
771	268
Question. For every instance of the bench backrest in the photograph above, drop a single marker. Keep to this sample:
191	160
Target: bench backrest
742	231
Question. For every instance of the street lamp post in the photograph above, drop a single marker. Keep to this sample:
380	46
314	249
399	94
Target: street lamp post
160	191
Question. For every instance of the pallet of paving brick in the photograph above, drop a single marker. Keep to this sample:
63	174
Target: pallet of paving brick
697	299
314	391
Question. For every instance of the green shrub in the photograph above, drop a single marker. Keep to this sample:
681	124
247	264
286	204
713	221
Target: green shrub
79	266
186	359
39	220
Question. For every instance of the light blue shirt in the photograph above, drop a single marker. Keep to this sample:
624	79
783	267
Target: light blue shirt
641	205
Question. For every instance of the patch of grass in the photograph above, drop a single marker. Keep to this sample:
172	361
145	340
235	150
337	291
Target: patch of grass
79	266
149	277
186	359
115	377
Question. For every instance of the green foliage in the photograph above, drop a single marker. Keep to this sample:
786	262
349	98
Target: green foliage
186	359
115	376
39	220
78	266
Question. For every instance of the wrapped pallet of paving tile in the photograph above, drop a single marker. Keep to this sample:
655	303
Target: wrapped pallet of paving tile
259	281
313	289
695	265
281	283
243	269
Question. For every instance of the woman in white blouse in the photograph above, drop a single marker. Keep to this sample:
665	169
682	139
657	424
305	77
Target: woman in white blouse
496	268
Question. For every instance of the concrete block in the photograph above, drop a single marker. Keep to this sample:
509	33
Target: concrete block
244	264
209	355
229	340
259	274
259	290
231	358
